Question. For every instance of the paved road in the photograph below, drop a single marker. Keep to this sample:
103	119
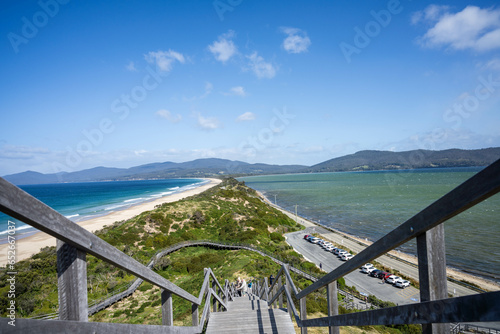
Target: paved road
408	270
362	282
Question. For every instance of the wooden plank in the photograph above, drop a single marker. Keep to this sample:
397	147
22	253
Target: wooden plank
432	272
333	305
72	282
476	189
21	205
32	326
483	307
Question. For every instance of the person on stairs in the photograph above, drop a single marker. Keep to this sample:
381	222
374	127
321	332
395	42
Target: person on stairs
242	287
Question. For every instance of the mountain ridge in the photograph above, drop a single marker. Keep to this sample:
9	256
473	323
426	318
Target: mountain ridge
215	167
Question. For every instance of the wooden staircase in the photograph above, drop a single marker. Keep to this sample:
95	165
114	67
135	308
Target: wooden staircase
249	314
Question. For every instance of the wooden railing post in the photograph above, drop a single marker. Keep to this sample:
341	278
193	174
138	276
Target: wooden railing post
275	290
266	289
288	289
333	305
167	314
72	282
214	301
432	272
280	284
195	315
303	314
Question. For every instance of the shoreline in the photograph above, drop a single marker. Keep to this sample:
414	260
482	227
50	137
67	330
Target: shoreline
31	244
454	273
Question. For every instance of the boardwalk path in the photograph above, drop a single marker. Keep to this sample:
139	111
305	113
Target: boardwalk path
250	315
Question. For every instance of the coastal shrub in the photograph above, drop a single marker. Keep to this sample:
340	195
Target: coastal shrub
145	287
162	263
276	237
117	313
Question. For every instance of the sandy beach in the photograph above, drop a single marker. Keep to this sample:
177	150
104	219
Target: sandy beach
32	244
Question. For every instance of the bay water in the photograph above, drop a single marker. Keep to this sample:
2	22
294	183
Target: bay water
86	200
371	204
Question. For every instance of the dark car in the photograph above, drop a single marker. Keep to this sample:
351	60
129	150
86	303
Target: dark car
306	236
384	275
375	273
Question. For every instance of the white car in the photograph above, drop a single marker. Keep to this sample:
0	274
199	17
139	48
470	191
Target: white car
342	253
402	284
326	244
338	250
367	268
393	279
315	240
346	257
328	248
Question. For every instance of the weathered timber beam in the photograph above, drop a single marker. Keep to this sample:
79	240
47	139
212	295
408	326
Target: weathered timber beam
31	326
473	308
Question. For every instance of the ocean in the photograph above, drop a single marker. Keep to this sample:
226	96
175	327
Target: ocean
82	201
371	204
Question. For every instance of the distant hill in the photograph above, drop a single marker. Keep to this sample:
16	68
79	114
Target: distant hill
195	168
384	160
363	160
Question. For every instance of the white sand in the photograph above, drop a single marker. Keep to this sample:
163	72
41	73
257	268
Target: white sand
28	246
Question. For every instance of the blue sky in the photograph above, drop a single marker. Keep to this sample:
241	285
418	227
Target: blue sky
124	83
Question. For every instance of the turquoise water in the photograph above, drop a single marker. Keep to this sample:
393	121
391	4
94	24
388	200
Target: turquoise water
80	201
371	204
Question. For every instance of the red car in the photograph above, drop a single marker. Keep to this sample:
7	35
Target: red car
306	236
384	275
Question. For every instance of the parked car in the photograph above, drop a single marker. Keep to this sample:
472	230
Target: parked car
384	275
370	269
375	273
366	266
306	236
393	279
346	257
315	240
402	284
328	248
333	249
342	252
338	250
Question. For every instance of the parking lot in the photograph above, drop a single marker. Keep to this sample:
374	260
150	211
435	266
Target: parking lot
363	283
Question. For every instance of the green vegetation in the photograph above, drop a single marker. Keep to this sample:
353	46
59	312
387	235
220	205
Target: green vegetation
230	212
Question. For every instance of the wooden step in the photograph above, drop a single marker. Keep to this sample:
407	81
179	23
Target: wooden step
250	315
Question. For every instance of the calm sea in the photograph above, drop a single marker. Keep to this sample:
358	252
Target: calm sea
81	201
371	204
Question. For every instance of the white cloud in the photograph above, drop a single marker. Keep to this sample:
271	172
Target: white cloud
238	91
21	152
223	49
164	59
430	14
472	28
208	123
248	116
297	40
131	67
260	67
163	113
